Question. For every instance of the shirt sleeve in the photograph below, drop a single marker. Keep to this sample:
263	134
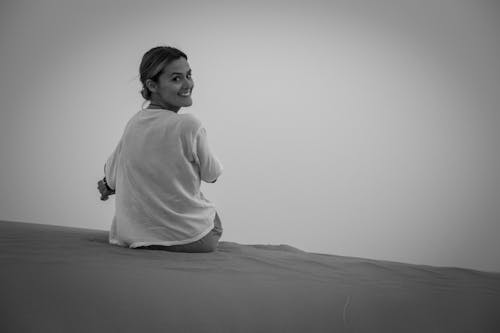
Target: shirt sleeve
111	166
209	165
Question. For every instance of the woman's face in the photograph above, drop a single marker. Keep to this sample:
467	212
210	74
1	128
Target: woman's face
174	86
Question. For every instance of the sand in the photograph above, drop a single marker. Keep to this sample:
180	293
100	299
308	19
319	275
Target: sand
60	279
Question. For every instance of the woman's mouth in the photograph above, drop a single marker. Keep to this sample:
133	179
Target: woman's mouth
185	93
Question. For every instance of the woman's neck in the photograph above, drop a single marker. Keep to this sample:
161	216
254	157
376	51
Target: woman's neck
158	105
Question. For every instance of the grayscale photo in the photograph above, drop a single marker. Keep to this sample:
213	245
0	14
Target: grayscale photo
249	166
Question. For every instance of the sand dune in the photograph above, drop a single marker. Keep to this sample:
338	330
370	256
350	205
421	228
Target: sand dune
60	279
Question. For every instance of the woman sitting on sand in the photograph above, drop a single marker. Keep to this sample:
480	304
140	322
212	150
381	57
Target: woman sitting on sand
158	165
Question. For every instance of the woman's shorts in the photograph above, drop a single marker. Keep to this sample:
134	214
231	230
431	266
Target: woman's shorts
206	244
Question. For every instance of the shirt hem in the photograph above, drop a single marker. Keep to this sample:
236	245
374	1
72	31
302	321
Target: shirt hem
170	243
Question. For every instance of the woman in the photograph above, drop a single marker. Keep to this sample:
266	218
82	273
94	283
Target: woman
158	165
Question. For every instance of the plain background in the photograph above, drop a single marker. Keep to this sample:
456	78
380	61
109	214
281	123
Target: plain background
357	128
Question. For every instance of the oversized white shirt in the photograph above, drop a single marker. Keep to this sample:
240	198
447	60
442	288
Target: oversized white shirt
156	171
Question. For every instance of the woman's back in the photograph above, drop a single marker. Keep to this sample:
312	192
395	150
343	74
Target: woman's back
158	166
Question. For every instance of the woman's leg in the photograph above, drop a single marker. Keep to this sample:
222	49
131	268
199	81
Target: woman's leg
206	244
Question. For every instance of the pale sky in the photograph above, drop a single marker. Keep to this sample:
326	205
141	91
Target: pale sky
357	128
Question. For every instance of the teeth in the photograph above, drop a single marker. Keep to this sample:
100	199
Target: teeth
185	94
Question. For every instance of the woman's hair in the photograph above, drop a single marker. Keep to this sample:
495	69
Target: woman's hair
152	65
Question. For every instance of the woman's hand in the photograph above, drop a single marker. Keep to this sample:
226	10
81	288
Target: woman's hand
104	189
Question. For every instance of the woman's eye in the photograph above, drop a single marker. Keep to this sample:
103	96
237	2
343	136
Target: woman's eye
177	78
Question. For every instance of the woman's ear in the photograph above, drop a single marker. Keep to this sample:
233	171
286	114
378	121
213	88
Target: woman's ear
151	85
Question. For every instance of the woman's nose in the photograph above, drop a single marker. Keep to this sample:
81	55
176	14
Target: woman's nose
188	84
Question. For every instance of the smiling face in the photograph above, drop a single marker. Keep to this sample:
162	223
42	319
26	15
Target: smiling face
173	88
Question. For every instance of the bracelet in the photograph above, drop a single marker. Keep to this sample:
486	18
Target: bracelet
106	183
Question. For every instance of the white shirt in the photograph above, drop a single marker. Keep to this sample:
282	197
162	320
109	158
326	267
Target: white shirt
156	171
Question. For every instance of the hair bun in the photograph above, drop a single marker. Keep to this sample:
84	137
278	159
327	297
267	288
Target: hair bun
146	93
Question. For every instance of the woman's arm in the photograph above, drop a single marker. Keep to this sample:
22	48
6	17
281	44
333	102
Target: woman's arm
107	185
111	165
210	167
